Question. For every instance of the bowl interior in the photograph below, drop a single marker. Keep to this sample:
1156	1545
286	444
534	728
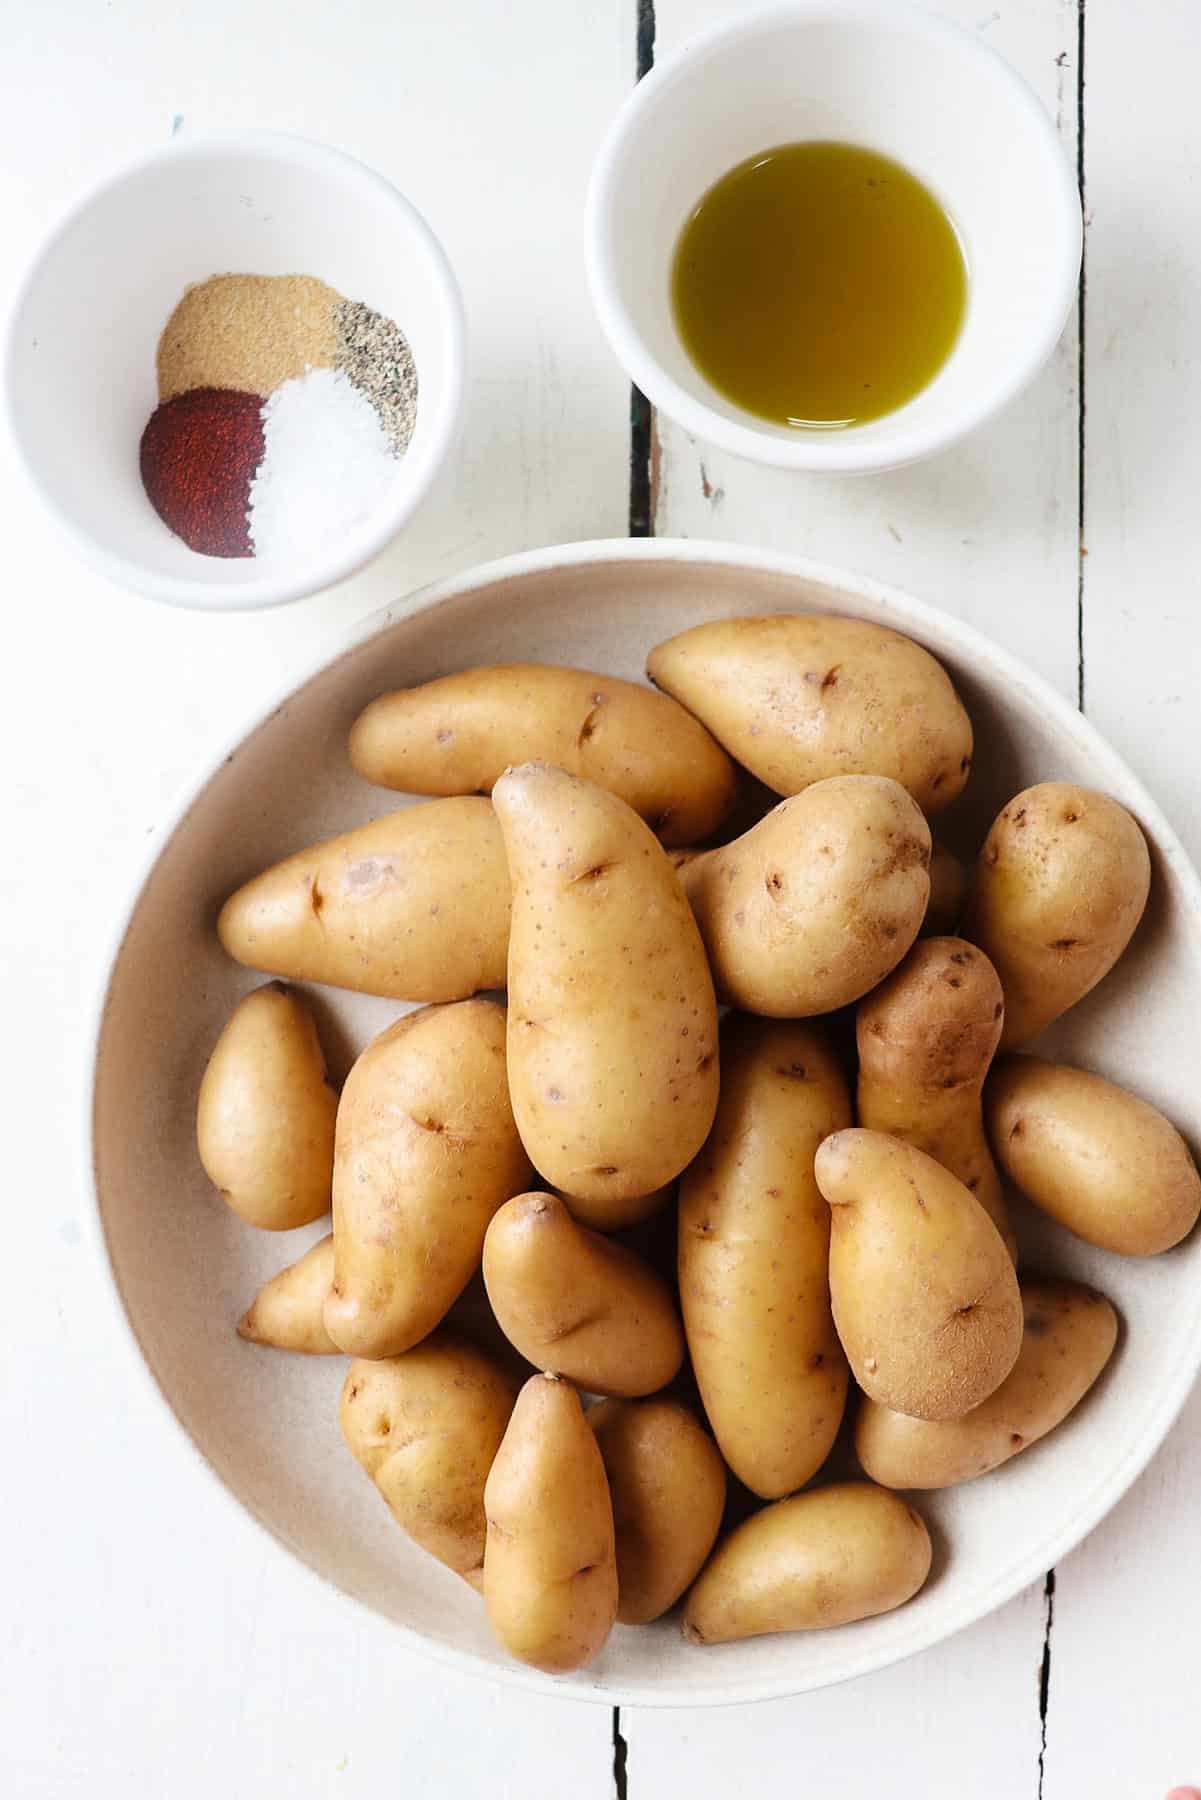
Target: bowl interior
898	82
186	1268
84	335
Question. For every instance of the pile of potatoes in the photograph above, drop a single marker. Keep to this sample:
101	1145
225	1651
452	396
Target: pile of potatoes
840	1220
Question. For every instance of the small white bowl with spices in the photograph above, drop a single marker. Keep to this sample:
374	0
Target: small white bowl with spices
235	368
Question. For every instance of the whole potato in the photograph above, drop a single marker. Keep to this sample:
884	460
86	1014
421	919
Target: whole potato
796	698
288	1313
576	1304
426	1151
926	1037
414	906
459	734
426	1426
925	1298
1101	1161
948	887
818	901
668	1485
550	1563
1055	896
754	1257
826	1557
265	1117
612	1018
1070	1333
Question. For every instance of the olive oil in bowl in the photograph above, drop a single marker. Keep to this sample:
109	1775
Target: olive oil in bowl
819	285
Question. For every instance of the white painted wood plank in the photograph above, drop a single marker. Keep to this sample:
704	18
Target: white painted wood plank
987	530
153	1640
1124	1641
990	532
959	1720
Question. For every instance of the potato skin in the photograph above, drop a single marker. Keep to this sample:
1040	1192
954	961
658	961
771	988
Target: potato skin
926	1038
414	906
288	1312
818	901
576	1304
265	1115
796	698
612	1016
1102	1162
826	1557
1056	893
924	1294
550	1563
668	1485
459	734
426	1151
754	1248
1070	1333
426	1427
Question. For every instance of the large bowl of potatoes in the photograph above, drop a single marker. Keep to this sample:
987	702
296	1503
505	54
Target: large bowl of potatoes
641	1123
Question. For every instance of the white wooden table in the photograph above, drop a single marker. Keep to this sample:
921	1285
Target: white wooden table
156	1644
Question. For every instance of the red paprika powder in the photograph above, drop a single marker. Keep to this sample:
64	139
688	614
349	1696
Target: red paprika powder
198	456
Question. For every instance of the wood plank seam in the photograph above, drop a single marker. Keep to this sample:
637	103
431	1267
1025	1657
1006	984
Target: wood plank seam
1044	1675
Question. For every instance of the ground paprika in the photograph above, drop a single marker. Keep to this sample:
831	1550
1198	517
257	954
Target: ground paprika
198	456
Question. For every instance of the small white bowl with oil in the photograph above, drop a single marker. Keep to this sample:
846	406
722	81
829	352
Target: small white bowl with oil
884	76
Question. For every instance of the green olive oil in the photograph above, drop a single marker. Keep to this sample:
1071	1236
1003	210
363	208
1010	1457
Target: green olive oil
819	285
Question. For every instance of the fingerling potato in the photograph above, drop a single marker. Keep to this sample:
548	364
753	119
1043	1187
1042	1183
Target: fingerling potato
550	1562
1104	1163
923	1290
612	1017
426	1151
1069	1336
754	1256
426	1427
668	1485
826	1557
926	1037
265	1116
288	1313
818	901
1056	893
796	698
414	906
459	734
576	1303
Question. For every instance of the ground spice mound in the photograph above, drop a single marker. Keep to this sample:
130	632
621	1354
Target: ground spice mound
247	332
374	354
198	457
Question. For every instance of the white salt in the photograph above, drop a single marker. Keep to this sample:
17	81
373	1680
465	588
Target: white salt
327	464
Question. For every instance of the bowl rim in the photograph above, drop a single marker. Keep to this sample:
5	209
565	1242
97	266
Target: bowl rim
824	452
358	547
965	643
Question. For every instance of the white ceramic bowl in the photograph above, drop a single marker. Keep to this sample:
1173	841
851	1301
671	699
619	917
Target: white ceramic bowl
185	1267
80	370
873	72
